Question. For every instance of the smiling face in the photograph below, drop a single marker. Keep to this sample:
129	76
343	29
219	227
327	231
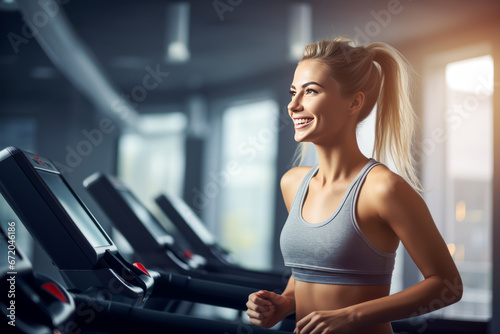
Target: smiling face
319	111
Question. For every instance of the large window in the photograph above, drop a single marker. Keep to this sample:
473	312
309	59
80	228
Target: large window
246	208
458	169
151	158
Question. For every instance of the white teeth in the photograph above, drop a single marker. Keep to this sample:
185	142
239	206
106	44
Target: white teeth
302	120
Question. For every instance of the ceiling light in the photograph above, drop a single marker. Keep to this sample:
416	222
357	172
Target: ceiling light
300	29
177	49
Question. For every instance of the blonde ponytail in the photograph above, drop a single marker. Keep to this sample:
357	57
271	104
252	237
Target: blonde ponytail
383	75
395	119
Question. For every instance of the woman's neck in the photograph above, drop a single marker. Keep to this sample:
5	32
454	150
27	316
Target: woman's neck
339	162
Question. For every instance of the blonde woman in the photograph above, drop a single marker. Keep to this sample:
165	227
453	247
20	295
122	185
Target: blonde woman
348	214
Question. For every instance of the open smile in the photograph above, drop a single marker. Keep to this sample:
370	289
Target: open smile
302	122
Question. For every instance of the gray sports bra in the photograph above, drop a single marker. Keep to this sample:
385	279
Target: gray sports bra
334	251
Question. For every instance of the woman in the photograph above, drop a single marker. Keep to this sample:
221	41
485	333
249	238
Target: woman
348	214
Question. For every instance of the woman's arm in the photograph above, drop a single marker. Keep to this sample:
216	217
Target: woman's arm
407	215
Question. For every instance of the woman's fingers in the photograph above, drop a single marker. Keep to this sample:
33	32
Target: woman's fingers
313	323
303	325
254	315
262	296
267	295
266	308
255	321
259	318
254	300
260	308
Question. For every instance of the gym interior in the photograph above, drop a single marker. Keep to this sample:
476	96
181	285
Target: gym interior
142	145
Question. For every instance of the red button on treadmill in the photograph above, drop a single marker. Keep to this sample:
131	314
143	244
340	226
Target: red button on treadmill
143	269
188	254
55	290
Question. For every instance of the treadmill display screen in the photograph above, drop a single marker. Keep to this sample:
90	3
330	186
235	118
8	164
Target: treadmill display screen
143	214
74	209
192	220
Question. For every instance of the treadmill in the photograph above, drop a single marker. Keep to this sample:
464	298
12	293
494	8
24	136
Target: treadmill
155	247
36	304
200	238
93	270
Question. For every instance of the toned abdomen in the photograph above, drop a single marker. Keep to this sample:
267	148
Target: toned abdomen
311	297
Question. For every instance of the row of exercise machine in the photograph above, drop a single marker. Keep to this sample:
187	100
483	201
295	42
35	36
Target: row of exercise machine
102	292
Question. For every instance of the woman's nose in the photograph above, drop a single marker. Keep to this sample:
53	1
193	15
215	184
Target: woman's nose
295	104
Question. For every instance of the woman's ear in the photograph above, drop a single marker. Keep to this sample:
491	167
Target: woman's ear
357	102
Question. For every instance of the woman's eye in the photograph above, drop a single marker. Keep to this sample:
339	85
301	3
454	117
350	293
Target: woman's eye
292	93
310	91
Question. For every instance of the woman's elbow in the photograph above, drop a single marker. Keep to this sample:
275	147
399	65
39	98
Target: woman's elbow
453	290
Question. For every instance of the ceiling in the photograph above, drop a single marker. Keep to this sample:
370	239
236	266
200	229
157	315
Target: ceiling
251	40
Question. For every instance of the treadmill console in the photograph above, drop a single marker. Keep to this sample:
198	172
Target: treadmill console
57	218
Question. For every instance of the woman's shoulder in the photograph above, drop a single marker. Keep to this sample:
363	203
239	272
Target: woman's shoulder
294	176
290	183
383	184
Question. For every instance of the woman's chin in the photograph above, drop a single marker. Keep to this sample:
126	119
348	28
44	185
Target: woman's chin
300	138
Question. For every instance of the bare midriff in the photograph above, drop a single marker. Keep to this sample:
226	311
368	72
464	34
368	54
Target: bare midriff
311	297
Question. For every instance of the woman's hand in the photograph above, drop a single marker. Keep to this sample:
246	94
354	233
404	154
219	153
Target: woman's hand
266	309
326	322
